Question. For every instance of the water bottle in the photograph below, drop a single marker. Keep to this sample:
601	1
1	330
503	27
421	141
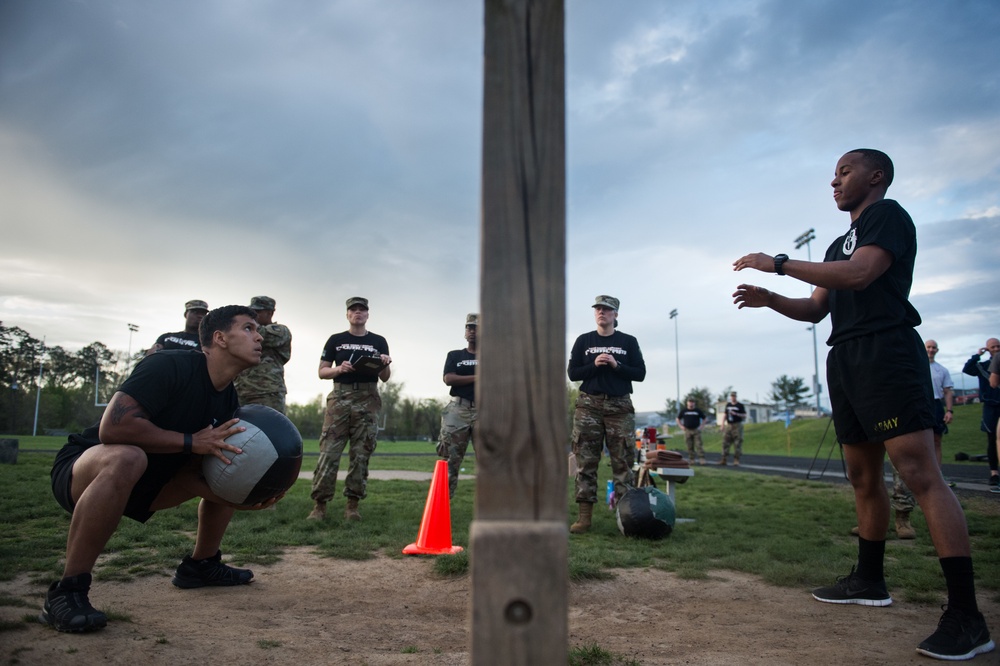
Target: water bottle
611	495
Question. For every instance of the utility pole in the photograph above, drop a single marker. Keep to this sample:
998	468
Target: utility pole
132	328
805	239
677	357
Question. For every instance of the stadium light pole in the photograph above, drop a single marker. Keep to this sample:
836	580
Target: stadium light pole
677	357
805	239
132	328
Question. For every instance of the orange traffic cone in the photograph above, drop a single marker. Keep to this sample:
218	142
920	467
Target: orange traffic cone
435	528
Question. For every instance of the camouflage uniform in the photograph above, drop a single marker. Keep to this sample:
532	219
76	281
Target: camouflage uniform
596	420
264	384
457	422
351	413
732	434
902	499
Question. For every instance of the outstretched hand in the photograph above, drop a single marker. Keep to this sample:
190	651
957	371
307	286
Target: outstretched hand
750	296
758	260
211	441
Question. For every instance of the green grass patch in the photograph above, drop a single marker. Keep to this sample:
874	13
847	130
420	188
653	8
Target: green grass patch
594	655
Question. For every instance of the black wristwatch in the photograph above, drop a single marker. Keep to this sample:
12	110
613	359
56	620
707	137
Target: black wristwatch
779	261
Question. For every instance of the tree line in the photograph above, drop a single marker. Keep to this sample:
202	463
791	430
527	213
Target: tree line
68	391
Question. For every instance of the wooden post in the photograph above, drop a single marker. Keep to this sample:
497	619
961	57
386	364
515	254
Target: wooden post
519	539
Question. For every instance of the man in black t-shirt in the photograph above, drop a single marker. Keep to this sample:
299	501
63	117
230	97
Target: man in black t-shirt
146	455
355	360
194	312
690	420
880	390
732	429
458	418
606	361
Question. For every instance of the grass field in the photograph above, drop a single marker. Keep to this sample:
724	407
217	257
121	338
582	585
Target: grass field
789	532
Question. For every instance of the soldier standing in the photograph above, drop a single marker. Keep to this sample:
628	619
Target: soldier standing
265	384
459	416
607	361
355	360
690	420
194	312
732	429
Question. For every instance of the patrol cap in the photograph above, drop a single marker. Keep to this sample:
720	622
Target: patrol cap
196	305
607	301
472	319
357	300
262	303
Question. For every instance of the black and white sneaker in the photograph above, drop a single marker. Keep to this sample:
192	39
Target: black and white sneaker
209	572
67	606
852	589
959	636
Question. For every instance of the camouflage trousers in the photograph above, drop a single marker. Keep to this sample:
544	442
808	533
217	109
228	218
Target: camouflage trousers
692	439
272	400
902	499
600	420
457	422
351	415
732	434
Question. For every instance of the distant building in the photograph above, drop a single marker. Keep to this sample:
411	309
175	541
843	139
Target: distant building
756	412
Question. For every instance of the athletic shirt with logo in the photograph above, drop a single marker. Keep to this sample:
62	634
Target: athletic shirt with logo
605	379
345	347
463	363
179	340
884	304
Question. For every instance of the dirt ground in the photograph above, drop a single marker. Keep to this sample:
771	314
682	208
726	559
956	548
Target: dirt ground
309	610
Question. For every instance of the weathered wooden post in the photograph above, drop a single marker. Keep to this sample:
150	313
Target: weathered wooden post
518	540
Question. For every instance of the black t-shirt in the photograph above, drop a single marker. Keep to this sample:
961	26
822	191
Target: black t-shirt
462	362
347	347
691	418
735	412
179	340
605	379
884	304
176	391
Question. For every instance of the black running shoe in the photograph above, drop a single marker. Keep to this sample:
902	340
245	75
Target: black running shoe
851	589
959	636
209	572
67	607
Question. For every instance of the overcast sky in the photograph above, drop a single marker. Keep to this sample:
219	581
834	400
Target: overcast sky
155	152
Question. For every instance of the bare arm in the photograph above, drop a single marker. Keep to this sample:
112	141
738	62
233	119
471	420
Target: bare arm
865	266
811	309
327	370
453	379
126	422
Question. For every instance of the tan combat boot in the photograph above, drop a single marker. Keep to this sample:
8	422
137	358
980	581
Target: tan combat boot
318	512
582	523
351	512
904	530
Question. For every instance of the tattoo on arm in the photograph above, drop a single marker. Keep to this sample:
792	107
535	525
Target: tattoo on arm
123	406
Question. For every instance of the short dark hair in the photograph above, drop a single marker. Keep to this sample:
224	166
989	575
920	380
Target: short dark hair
878	160
221	319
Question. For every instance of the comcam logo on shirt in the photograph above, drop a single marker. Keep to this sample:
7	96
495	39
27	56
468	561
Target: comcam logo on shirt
606	350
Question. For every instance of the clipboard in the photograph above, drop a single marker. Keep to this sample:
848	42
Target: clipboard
369	364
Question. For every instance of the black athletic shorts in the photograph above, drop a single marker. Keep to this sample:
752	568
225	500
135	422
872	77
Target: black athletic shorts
159	470
940	427
880	386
